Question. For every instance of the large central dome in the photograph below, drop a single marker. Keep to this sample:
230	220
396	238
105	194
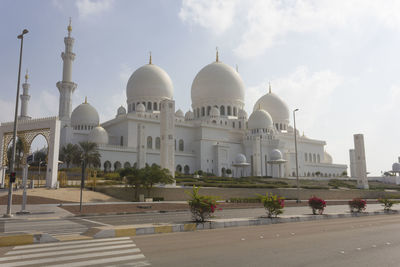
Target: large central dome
217	82
149	81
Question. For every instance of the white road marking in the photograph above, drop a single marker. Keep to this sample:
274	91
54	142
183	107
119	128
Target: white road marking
62	252
35	250
78	257
101	261
72	242
100	223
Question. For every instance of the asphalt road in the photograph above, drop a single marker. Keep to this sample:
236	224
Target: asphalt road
363	241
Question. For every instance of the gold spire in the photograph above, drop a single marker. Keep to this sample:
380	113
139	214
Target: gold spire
270	91
150	61
217	56
26	76
69	28
85	100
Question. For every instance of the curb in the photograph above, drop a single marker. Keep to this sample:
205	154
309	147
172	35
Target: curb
146	229
134	230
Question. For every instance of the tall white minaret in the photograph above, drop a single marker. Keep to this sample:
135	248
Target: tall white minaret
66	86
25	97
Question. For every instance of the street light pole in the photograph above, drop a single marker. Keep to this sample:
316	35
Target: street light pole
295	149
12	163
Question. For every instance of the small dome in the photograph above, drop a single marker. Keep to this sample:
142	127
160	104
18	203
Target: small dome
396	167
242	114
98	135
240	159
140	108
260	119
276	154
275	106
179	113
121	111
149	81
217	82
84	114
214	112
327	158
189	115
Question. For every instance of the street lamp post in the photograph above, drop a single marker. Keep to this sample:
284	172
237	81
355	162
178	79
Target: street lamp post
295	149
10	190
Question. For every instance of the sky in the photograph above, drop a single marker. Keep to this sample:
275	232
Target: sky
337	61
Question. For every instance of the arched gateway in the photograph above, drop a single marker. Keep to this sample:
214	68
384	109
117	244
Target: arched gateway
27	130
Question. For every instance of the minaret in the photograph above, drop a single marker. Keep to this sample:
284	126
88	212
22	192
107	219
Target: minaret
66	86
25	97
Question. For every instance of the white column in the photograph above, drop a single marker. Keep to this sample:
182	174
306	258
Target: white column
141	146
54	146
360	166
167	132
256	157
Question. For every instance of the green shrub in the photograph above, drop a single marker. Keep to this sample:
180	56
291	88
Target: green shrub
387	203
273	204
336	183
201	207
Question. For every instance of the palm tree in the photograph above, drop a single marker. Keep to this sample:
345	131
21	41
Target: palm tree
90	154
19	152
69	154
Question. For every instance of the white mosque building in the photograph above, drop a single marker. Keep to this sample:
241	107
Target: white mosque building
216	135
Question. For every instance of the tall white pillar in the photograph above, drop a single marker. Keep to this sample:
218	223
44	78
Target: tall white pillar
66	87
256	156
167	129
360	166
25	97
141	146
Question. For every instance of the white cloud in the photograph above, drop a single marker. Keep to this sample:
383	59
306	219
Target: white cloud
260	24
308	91
215	14
87	8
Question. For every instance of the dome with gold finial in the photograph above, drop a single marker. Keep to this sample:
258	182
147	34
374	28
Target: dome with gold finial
218	84
84	117
275	106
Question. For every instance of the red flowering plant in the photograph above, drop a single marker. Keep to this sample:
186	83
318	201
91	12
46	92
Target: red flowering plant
273	204
202	207
317	205
357	205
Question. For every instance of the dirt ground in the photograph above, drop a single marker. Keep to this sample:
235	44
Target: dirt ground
65	195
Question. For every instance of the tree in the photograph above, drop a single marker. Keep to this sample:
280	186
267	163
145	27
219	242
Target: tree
69	154
90	154
150	176
132	178
19	152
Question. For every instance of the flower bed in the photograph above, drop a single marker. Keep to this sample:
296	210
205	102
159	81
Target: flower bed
357	205
317	205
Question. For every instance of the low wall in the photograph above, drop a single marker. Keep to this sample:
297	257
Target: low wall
178	194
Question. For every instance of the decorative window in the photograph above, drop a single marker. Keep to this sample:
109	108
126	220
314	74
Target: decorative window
149	142
158	142
181	145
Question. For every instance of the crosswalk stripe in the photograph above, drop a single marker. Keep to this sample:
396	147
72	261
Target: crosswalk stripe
78	257
101	261
134	264
35	250
58	253
71	242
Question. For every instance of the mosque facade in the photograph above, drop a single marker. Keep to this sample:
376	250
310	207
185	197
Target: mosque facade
215	135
